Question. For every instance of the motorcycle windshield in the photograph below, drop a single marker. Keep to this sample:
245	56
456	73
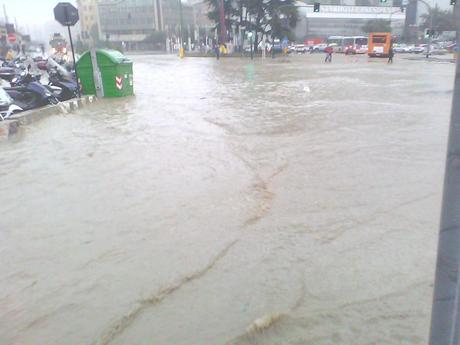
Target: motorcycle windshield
61	70
5	99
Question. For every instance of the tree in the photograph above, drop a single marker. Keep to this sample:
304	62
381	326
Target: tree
231	9
377	25
274	18
443	20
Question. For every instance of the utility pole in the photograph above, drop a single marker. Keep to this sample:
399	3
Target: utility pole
181	19
445	317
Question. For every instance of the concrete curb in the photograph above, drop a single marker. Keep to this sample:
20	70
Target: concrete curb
12	126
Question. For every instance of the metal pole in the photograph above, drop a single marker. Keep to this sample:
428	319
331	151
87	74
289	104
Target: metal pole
273	34
445	317
430	36
74	62
181	49
307	25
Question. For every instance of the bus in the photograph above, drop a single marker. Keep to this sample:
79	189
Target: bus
379	44
336	42
58	44
355	45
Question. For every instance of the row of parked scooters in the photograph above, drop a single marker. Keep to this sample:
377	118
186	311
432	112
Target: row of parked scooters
28	84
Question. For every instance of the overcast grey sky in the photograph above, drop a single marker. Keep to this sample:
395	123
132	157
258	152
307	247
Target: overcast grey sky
33	16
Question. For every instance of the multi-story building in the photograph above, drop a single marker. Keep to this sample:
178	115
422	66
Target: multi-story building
346	18
132	21
87	10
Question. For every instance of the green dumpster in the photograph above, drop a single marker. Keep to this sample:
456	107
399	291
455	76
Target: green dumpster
116	73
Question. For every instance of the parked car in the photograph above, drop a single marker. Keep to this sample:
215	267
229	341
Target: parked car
301	48
401	48
319	47
418	49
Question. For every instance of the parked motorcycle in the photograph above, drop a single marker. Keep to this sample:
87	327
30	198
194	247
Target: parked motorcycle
60	77
28	93
7	106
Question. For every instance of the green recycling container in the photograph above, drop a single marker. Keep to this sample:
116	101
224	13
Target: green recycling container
116	73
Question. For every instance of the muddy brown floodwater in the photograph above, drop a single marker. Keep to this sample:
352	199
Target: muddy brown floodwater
280	202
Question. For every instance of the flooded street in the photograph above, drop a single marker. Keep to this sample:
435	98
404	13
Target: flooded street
280	202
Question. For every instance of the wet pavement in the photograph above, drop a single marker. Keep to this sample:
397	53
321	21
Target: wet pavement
277	202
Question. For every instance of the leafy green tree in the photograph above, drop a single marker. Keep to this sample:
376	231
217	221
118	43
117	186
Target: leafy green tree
274	18
232	10
377	25
443	20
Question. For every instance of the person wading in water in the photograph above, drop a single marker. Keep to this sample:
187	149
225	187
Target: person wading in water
329	50
391	54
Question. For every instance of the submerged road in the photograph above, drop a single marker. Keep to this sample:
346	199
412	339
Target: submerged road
281	202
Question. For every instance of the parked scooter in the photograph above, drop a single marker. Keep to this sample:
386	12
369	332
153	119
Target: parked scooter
7	107
61	78
9	70
28	93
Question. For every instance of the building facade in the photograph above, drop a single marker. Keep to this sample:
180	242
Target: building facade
128	20
346	18
87	10
133	21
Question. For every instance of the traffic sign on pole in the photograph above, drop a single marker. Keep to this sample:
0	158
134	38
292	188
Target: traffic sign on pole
66	14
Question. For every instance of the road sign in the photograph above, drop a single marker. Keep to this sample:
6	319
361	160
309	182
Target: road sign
66	14
11	38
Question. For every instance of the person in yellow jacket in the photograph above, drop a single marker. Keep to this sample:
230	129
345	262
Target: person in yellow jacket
9	55
223	49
